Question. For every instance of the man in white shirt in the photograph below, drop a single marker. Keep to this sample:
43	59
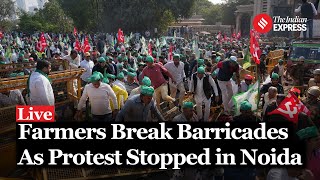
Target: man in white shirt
99	95
10	98
56	49
39	85
176	69
200	86
73	59
87	64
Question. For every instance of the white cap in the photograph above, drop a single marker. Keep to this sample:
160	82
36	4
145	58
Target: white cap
233	58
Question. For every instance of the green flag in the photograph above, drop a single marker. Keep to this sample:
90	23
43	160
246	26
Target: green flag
196	49
251	96
8	52
19	43
246	60
164	42
60	38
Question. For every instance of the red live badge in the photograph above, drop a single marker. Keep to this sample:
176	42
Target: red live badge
34	114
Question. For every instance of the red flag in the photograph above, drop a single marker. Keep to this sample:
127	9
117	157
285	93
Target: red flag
239	35
1	35
149	49
219	36
42	43
120	36
77	45
290	108
170	55
254	47
75	33
234	35
86	45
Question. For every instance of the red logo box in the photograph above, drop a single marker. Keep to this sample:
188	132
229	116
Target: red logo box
34	114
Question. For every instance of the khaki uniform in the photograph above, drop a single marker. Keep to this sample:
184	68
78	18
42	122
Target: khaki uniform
315	111
297	73
312	82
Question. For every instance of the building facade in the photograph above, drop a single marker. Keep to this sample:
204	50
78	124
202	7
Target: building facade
195	22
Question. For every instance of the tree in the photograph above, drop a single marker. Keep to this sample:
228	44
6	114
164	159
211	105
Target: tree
85	13
49	19
228	16
202	7
210	12
213	15
131	16
6	12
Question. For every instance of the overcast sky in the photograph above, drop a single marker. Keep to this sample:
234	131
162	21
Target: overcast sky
31	3
216	1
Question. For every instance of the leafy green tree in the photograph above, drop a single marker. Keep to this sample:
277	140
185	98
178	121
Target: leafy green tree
213	13
131	16
6	12
85	13
49	19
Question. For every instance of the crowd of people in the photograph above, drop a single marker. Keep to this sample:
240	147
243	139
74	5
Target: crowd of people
122	83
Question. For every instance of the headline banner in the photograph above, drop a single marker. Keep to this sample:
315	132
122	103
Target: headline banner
161	145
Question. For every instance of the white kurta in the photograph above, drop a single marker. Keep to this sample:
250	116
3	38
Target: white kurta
99	99
176	72
200	97
41	92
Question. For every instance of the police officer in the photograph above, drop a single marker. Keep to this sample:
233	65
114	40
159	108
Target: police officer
316	80
297	72
313	103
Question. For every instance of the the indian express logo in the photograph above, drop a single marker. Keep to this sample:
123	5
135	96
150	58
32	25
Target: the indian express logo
263	23
289	23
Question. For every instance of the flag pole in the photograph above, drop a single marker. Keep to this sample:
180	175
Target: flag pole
259	97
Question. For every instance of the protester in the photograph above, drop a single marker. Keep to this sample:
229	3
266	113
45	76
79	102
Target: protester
226	70
39	85
274	83
131	84
269	97
138	107
155	72
278	69
201	86
246	113
99	95
145	82
88	65
187	114
119	92
246	83
176	69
